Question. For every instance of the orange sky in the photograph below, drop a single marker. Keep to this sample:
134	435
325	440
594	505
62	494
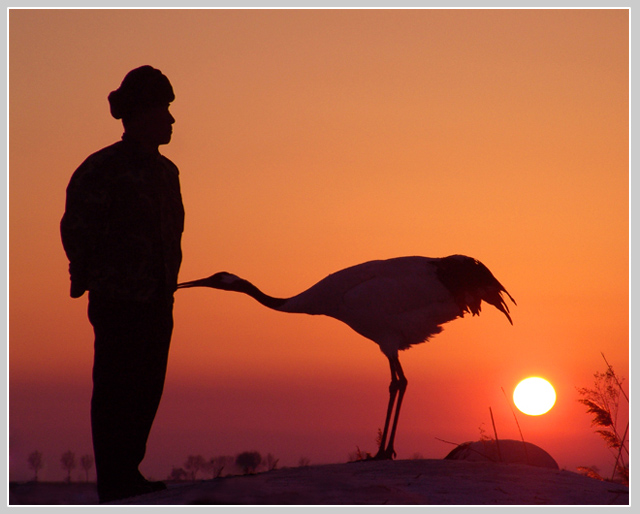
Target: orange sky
309	141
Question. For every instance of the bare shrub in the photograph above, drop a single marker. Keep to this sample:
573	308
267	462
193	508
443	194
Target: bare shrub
303	462
178	474
271	462
194	464
359	455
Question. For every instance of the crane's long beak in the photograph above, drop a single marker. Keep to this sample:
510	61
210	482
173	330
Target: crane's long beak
194	283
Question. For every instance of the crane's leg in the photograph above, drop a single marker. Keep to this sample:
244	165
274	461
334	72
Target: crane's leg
402	387
393	390
396	389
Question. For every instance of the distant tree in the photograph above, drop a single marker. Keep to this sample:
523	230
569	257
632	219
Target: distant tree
68	461
303	462
194	464
207	467
215	465
248	461
177	474
86	461
36	463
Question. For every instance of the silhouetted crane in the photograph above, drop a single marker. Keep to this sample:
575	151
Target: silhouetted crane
396	303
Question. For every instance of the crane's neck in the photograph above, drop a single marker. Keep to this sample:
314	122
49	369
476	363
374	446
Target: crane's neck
246	287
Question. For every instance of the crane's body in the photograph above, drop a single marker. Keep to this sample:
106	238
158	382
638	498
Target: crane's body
395	302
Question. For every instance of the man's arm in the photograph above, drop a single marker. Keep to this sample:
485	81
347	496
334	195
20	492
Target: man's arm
83	224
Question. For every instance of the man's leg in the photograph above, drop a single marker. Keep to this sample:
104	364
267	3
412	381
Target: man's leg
130	361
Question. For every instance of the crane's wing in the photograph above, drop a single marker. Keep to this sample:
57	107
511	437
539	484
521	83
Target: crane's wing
405	300
401	299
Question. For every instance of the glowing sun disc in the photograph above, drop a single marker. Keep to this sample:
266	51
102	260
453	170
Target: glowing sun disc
534	396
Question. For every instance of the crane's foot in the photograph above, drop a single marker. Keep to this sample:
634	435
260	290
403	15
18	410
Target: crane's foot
388	454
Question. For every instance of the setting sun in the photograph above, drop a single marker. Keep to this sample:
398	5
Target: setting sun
534	396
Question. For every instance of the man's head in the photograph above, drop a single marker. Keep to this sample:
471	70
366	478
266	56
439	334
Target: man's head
142	103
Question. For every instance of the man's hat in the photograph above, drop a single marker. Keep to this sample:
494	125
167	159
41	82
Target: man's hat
142	88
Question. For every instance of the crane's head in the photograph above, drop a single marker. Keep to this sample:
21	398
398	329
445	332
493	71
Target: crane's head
470	282
221	280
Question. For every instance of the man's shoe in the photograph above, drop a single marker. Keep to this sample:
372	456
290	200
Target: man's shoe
130	490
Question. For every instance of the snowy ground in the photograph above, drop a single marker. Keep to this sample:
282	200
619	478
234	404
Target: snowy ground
404	482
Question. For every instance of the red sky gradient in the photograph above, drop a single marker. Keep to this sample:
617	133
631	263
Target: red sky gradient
309	141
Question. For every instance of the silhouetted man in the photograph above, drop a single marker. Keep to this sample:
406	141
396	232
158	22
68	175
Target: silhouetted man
121	231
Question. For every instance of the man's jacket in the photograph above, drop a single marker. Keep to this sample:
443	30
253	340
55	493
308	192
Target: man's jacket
123	223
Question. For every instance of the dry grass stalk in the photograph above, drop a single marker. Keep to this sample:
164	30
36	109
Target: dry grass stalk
603	402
